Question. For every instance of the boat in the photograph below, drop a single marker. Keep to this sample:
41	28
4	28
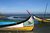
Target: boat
42	19
25	25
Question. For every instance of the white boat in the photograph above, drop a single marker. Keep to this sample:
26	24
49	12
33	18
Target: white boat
25	25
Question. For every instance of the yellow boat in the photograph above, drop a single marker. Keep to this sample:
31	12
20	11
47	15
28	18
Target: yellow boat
41	19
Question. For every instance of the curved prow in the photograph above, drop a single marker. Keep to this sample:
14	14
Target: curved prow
23	25
28	12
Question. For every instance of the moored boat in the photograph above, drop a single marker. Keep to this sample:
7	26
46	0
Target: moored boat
25	25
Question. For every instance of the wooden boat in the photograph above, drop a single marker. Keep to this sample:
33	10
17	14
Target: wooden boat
25	25
41	19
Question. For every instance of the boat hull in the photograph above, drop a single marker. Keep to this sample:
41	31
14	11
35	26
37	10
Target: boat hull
42	20
25	28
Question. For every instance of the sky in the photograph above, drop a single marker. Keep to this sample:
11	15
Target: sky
20	6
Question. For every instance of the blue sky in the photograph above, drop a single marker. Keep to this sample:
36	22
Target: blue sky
20	6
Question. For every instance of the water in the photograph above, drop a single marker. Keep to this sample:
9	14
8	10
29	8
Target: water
23	15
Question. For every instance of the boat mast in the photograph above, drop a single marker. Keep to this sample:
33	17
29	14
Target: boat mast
45	9
29	13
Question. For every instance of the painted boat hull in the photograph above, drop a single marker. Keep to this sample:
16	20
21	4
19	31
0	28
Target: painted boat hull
42	20
26	26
